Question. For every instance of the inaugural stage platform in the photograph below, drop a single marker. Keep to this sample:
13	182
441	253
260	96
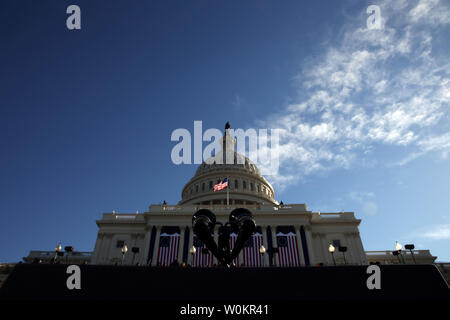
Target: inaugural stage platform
97	282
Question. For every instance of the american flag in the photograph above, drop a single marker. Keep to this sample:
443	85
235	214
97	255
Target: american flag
168	248
287	249
252	256
221	185
233	238
201	258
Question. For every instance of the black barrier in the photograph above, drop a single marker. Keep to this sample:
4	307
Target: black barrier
49	282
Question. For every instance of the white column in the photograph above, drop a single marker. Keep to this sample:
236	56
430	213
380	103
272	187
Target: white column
101	249
216	238
181	247
109	253
300	246
146	246
132	254
97	250
324	248
266	245
350	254
361	248
156	246
190	241
310	246
241	257
274	244
357	249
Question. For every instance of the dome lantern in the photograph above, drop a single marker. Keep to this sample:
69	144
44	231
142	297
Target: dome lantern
246	185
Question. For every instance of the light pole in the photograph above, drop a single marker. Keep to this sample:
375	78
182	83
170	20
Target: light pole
124	250
57	250
399	248
134	250
262	250
331	249
343	250
410	247
192	251
68	249
395	253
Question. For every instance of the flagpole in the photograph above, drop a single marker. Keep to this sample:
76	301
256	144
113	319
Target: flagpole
228	192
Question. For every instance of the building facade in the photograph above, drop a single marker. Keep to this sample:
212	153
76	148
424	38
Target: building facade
290	234
287	234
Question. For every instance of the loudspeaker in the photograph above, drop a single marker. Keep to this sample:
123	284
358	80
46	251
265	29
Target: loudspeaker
135	250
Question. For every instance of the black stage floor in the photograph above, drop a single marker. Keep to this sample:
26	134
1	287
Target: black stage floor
48	282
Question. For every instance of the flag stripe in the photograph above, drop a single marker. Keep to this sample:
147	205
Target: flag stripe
252	256
200	259
221	185
288	254
233	238
167	254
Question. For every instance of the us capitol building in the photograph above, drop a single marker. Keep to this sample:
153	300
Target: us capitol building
287	234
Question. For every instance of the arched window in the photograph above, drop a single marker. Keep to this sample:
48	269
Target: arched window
252	186
196	188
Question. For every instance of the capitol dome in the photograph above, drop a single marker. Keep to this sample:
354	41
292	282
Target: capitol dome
246	185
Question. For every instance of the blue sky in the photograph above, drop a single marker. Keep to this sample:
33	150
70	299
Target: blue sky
86	115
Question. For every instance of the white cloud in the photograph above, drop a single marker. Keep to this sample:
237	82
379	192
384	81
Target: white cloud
439	143
430	12
370	208
366	200
237	101
441	232
373	87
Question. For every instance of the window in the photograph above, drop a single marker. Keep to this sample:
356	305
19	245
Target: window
196	189
120	243
336	243
203	186
252	187
259	188
244	185
210	185
236	184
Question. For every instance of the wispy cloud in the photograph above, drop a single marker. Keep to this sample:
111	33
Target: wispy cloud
363	201
237	101
440	232
366	200
370	88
